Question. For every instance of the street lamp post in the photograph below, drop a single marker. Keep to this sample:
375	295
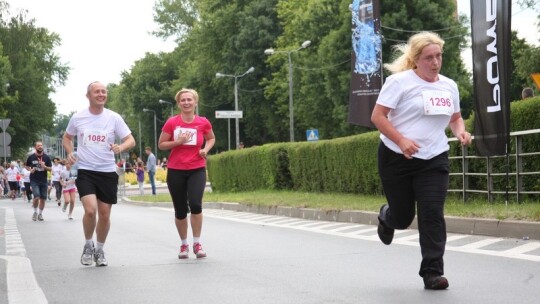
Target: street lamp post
236	121
140	138
161	101
304	45
155	134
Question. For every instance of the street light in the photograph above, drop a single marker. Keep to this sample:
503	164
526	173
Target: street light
140	137
304	45
237	124
155	134
161	101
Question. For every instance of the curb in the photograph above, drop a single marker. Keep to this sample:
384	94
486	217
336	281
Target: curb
473	226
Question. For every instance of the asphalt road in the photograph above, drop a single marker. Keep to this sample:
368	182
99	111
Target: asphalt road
252	258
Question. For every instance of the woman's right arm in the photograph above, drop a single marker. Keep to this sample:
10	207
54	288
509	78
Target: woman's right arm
379	117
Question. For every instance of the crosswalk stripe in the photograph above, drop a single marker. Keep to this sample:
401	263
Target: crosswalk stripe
482	243
523	248
405	237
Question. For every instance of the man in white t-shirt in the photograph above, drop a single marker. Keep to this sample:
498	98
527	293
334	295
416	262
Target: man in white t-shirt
96	129
11	174
56	170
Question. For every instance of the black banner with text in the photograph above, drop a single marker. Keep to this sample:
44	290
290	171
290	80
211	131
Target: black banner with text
491	23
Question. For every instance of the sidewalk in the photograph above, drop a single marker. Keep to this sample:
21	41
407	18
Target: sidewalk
474	226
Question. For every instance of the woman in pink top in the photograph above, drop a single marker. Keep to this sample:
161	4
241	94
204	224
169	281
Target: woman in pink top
185	135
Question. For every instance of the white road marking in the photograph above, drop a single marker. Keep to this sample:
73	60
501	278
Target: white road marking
22	286
456	237
482	243
369	233
524	248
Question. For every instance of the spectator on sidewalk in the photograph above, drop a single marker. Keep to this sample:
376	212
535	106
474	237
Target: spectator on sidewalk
527	93
151	168
140	177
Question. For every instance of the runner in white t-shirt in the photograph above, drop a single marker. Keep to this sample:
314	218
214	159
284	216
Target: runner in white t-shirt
97	129
413	110
26	180
56	169
67	178
11	174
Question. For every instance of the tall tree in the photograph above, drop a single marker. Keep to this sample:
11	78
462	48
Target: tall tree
228	37
36	70
523	62
322	71
141	88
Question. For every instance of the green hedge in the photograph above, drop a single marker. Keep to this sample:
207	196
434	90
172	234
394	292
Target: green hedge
349	164
264	167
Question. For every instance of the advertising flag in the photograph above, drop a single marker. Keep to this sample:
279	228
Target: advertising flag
491	22
366	61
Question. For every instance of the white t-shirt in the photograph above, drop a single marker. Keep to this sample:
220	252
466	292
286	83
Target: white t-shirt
68	179
56	170
11	174
95	135
26	175
421	111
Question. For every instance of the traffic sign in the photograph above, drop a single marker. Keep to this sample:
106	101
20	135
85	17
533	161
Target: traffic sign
7	151
312	135
229	114
4	123
536	78
5	139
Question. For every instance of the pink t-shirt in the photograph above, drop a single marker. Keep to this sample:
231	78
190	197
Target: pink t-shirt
186	156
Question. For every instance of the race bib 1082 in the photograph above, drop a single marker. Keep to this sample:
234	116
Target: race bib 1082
95	138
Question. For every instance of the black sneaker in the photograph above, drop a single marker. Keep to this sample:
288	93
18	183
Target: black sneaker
435	281
386	234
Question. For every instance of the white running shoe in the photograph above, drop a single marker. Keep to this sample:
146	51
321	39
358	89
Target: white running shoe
86	257
34	216
199	252
40	217
99	258
184	252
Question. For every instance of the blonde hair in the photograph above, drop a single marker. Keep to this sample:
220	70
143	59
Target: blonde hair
412	50
184	90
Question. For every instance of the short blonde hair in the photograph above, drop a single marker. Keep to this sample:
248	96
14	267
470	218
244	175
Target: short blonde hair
412	50
184	90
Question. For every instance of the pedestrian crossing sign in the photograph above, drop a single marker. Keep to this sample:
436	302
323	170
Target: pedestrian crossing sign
312	135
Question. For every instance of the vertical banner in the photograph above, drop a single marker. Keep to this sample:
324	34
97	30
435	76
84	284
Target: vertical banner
491	23
366	67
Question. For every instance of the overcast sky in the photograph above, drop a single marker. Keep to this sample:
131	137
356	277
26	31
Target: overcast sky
102	38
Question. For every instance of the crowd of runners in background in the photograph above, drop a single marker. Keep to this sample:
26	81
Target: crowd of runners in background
15	179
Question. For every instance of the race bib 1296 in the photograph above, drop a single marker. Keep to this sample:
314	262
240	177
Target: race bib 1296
438	103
